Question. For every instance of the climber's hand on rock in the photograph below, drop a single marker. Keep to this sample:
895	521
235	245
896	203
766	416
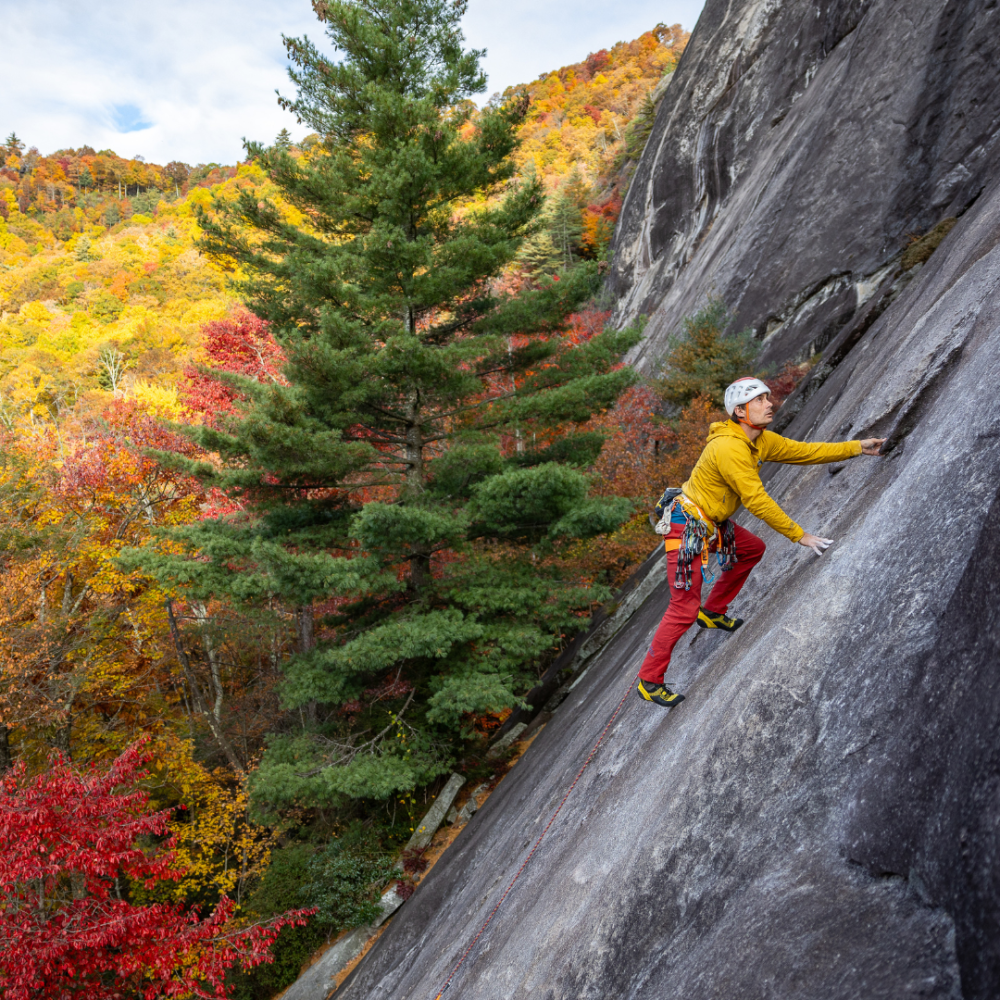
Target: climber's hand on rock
815	543
871	446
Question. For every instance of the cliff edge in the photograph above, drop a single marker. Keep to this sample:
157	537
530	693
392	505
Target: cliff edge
796	149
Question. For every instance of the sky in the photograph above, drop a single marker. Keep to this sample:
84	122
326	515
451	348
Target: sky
188	79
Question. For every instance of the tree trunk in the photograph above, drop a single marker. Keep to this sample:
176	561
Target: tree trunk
212	716
307	640
420	571
63	737
414	445
420	563
306	624
6	757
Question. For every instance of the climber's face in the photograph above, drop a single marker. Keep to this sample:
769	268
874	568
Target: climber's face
760	410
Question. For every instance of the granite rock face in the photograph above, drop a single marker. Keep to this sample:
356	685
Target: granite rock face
821	816
820	819
797	147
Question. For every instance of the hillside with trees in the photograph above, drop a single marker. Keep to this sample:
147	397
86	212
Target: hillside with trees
307	484
585	129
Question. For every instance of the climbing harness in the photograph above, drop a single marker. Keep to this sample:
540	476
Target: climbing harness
675	507
541	837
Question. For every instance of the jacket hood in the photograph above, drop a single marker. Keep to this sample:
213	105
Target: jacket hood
726	428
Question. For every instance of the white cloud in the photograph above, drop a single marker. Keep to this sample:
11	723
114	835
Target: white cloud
202	73
188	79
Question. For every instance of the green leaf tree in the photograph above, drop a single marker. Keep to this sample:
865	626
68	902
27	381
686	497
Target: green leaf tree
399	490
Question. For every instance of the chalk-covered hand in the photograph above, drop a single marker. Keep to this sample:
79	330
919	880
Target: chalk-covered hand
814	542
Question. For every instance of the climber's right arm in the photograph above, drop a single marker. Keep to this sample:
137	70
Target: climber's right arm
738	469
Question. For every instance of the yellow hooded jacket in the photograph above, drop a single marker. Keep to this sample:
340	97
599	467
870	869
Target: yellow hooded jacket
727	475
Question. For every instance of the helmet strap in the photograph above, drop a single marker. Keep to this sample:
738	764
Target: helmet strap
748	423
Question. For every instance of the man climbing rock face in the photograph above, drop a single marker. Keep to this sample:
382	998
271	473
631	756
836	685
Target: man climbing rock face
695	520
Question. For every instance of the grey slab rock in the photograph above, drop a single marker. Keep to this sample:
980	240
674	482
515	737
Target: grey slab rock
819	819
798	146
435	815
318	980
509	738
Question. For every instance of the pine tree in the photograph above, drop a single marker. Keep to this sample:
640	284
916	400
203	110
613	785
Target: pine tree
704	360
393	477
565	227
577	189
539	255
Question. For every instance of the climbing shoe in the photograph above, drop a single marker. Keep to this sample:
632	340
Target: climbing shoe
712	619
660	694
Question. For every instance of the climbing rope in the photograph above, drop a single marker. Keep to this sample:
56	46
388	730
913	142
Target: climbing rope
541	837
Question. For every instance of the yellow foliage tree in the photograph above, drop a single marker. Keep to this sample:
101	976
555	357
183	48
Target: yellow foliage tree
217	843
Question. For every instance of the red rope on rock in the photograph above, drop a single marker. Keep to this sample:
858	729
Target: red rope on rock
541	837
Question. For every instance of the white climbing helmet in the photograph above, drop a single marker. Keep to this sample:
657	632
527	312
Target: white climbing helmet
742	391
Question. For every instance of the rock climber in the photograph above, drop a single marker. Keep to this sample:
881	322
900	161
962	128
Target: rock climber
696	521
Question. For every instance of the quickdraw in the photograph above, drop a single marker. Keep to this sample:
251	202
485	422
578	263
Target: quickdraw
696	539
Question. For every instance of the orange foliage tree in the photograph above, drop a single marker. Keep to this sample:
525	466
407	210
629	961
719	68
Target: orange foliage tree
83	652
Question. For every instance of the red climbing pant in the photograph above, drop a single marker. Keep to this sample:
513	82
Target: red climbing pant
683	608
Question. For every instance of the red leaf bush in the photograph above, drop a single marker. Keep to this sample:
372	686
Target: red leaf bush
70	846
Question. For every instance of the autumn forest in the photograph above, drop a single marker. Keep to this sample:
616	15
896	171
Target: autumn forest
310	465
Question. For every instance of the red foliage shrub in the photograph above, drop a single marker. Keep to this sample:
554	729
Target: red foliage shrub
241	344
783	384
110	472
414	862
391	687
597	61
69	846
586	324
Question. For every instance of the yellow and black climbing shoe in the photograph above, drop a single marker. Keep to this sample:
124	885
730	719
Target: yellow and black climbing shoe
712	619
660	694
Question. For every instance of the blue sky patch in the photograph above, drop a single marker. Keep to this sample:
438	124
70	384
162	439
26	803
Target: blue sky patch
128	118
